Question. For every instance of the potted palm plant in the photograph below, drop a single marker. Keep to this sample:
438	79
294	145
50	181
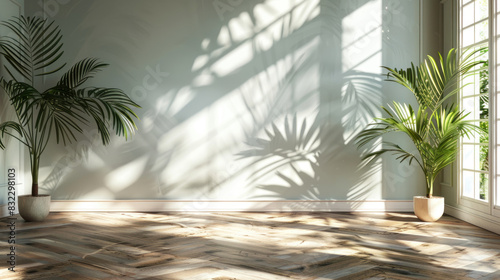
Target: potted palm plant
31	52
434	128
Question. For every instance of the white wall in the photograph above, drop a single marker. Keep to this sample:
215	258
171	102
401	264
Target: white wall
242	100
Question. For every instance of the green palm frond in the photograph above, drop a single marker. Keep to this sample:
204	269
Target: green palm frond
5	129
34	48
402	118
42	112
81	72
433	82
108	107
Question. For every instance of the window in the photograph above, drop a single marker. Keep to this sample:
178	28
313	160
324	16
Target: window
475	99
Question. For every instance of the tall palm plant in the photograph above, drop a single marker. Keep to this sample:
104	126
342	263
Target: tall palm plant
433	127
34	50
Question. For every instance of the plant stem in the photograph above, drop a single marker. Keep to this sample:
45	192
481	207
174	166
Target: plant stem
34	174
34	189
430	186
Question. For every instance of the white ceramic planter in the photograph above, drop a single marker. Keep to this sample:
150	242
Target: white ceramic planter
34	208
428	209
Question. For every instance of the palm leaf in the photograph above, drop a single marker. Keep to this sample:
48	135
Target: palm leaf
5	129
108	107
81	72
34	49
432	83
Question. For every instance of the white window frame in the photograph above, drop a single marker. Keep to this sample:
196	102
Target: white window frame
494	99
477	206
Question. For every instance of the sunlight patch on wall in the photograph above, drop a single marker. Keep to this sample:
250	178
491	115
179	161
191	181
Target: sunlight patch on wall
174	102
241	27
167	106
126	175
232	61
362	43
361	53
272	11
200	62
274	21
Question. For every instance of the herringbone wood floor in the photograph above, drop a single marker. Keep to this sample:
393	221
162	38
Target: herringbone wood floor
227	246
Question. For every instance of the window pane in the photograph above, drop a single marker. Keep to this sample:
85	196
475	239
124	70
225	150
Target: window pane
470	105
475	185
484	150
468	83
468	36
468	15
484	107
481	9
483	186
469	156
482	138
497	16
468	184
481	31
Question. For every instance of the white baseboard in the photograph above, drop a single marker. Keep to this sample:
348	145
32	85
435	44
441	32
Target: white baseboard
244	205
485	221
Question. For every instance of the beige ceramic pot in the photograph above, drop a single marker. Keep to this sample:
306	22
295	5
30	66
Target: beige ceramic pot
428	209
34	208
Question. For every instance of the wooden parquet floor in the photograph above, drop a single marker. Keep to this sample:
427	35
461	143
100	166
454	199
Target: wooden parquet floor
224	246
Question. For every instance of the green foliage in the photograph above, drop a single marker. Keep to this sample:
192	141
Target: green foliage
433	128
63	109
484	139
